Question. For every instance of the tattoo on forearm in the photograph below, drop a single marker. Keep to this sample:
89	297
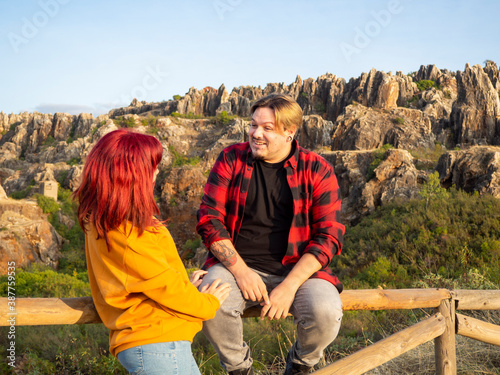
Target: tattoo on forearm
226	254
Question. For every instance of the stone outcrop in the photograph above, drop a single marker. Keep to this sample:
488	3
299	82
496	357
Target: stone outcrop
394	178
475	116
343	121
315	133
180	199
364	128
475	169
26	236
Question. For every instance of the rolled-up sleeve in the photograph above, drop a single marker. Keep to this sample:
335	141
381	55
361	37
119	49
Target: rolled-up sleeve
213	209
326	231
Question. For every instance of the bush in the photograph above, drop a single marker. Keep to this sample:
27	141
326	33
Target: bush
47	204
223	118
36	282
181	160
378	157
190	115
426	84
124	123
21	194
445	234
74	161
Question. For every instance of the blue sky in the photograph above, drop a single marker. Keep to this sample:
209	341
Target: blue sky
90	56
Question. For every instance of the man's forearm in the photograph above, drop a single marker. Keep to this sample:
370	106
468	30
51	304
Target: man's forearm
303	270
225	252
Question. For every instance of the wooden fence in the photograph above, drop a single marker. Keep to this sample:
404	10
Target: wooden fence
441	327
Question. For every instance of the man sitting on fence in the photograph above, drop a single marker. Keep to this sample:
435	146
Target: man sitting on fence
269	217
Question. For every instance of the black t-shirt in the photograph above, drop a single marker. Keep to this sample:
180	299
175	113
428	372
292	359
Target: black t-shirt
263	238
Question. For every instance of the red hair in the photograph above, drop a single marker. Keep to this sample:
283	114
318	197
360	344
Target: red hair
117	182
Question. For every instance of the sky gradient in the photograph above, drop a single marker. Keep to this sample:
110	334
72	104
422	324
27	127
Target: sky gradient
90	56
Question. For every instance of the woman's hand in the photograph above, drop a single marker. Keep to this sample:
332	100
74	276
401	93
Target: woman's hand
220	291
196	277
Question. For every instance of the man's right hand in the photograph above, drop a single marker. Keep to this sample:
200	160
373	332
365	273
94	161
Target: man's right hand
251	285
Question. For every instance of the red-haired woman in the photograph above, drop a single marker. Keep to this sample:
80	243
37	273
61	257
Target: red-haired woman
139	285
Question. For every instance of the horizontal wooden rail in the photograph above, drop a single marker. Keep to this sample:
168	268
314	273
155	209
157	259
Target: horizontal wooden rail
476	299
49	311
391	347
442	326
81	310
478	330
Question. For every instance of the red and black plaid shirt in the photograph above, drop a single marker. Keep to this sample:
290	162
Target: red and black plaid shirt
315	225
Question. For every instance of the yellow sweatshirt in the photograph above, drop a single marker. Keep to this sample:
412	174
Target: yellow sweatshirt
141	289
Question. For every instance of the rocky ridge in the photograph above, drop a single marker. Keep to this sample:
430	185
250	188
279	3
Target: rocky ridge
432	109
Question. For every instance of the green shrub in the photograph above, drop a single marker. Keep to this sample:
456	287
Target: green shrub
74	161
21	194
177	97
378	157
69	349
47	204
181	160
190	115
427	158
49	141
320	107
46	283
442	233
124	123
15	125
223	118
426	84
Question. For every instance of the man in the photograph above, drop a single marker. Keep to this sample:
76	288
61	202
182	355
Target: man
269	217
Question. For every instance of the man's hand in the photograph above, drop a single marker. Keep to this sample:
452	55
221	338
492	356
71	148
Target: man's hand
251	285
280	300
282	296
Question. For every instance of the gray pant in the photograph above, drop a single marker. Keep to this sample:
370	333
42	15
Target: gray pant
317	310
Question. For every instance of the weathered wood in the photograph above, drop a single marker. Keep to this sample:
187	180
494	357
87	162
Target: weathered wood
445	349
44	311
478	330
392	299
477	299
391	347
50	311
383	299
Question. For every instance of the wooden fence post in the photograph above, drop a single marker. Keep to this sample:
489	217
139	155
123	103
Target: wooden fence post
444	345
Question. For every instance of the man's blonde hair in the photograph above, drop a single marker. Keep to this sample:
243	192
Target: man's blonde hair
287	112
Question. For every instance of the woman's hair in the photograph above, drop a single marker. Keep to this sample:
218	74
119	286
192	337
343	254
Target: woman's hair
117	182
287	112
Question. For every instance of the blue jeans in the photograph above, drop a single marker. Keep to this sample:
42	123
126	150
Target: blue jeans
317	311
169	358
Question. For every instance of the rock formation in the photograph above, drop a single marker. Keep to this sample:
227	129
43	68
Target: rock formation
475	116
474	169
25	235
346	122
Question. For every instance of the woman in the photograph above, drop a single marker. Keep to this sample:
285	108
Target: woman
139	285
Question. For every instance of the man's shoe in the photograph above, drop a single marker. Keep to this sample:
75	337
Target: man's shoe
247	371
295	368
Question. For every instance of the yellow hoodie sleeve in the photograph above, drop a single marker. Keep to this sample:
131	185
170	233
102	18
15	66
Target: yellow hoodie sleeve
155	269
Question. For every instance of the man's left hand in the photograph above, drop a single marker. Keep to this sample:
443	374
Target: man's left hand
280	300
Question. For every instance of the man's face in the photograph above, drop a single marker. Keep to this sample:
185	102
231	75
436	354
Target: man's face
266	141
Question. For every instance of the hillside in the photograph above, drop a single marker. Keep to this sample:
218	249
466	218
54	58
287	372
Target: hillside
383	133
